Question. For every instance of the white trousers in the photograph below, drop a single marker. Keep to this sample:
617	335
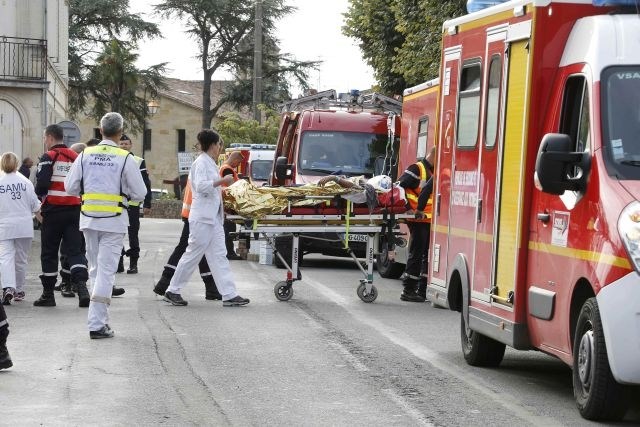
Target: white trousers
208	240
14	255
103	254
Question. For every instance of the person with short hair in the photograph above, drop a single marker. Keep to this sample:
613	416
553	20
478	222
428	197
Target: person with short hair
133	210
206	234
78	147
18	201
60	220
93	142
106	177
25	168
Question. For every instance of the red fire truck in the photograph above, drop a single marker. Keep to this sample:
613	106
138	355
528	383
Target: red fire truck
417	137
325	133
536	226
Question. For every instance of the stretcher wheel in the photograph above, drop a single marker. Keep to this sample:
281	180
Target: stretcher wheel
367	297
283	291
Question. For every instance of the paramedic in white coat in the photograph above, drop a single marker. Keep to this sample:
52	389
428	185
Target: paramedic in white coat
101	175
206	232
18	201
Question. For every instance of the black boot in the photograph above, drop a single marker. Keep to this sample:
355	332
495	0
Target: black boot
46	299
422	290
409	293
133	265
161	287
5	359
211	292
120	265
66	289
83	294
116	291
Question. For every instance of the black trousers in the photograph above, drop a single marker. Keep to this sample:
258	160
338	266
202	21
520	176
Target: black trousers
4	327
418	250
61	226
229	227
134	228
179	250
65	272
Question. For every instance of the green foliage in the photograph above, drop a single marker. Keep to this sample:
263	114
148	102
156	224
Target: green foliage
224	31
234	129
102	37
401	39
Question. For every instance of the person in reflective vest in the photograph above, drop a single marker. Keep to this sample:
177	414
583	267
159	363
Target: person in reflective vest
418	186
106	177
211	291
133	210
229	168
206	234
60	221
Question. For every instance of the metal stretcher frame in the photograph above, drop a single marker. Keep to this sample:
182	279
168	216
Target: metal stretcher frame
293	224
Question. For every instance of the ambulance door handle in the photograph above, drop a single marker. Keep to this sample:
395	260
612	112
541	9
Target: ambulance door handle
479	211
544	217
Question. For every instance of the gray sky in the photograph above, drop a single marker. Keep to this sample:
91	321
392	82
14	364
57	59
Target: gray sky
313	32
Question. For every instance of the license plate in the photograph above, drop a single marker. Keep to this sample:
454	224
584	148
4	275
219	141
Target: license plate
357	237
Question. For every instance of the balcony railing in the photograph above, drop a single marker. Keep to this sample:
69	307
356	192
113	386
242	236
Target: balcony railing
23	59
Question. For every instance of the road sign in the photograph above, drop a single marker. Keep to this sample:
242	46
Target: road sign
184	161
71	132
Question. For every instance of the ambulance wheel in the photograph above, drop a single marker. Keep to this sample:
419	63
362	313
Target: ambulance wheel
597	394
386	267
283	291
367	297
478	349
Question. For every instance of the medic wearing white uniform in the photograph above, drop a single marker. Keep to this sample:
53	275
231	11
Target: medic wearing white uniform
105	176
206	234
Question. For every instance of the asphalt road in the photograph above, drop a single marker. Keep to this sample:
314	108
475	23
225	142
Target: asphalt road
322	358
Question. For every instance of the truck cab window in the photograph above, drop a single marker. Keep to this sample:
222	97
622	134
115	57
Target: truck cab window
423	131
575	120
469	104
620	91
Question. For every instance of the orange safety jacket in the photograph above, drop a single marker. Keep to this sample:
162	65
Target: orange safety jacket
412	195
186	200
226	167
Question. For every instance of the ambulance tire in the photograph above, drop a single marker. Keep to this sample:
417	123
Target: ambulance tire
387	268
478	349
598	395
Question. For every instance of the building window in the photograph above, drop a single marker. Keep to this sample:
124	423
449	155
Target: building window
493	101
146	140
181	140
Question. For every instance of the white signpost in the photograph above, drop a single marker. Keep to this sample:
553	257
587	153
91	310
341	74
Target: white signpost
184	161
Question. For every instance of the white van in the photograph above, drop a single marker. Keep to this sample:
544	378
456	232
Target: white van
260	163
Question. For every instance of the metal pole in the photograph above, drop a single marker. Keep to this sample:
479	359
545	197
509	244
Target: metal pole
257	62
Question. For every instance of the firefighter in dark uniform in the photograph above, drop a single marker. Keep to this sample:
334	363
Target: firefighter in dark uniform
417	181
60	220
134	214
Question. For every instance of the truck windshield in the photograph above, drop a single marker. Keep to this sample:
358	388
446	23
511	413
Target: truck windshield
621	121
260	169
344	153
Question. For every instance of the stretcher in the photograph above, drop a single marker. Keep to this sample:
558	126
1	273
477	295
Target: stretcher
339	219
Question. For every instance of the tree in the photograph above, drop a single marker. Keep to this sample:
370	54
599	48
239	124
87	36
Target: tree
401	39
105	29
233	128
223	30
115	84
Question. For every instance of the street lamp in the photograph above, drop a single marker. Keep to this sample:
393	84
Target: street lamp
152	108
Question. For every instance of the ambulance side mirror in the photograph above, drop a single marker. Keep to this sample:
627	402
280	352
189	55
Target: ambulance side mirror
558	168
282	168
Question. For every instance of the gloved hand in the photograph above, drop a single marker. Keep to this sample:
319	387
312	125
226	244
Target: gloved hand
419	215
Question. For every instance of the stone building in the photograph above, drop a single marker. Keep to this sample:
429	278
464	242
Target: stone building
34	42
172	129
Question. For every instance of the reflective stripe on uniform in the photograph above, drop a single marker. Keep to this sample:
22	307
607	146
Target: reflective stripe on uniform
3	323
50	274
104	198
136	204
173	267
78	266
